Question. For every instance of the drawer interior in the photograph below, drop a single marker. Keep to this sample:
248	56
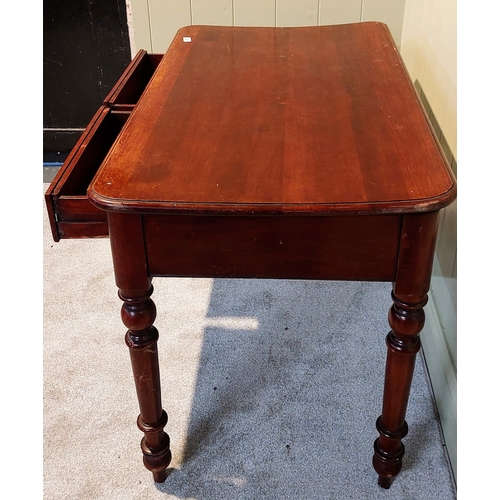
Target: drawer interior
70	212
129	88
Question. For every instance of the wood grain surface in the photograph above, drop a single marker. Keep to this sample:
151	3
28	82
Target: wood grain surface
277	120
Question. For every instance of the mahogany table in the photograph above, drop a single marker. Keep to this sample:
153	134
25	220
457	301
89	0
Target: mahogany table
295	153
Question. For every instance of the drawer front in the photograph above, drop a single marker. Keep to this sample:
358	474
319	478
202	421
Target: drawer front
70	212
291	247
129	88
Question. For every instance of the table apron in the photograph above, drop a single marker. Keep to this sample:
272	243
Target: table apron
287	247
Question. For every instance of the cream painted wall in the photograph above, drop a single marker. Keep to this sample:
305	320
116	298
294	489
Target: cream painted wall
155	22
429	49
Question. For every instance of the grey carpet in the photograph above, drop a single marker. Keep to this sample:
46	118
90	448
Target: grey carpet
272	389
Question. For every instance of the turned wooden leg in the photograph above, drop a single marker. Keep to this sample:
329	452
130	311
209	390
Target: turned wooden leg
406	319
138	315
403	343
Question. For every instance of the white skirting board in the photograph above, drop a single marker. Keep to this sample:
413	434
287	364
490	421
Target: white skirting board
443	378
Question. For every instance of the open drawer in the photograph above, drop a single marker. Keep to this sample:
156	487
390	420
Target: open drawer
129	88
70	212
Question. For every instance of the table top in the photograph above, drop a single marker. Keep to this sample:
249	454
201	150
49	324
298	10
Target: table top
277	120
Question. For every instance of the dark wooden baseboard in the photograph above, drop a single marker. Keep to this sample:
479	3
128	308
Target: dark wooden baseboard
57	143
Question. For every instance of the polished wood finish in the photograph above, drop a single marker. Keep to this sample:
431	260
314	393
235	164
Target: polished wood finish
272	153
291	247
138	314
406	318
277	120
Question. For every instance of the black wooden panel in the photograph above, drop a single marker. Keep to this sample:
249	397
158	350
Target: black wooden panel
86	48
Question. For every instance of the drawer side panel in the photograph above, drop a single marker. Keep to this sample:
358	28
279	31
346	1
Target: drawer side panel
128	89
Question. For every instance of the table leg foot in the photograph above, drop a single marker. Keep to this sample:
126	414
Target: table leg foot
156	458
160	476
388	456
385	482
